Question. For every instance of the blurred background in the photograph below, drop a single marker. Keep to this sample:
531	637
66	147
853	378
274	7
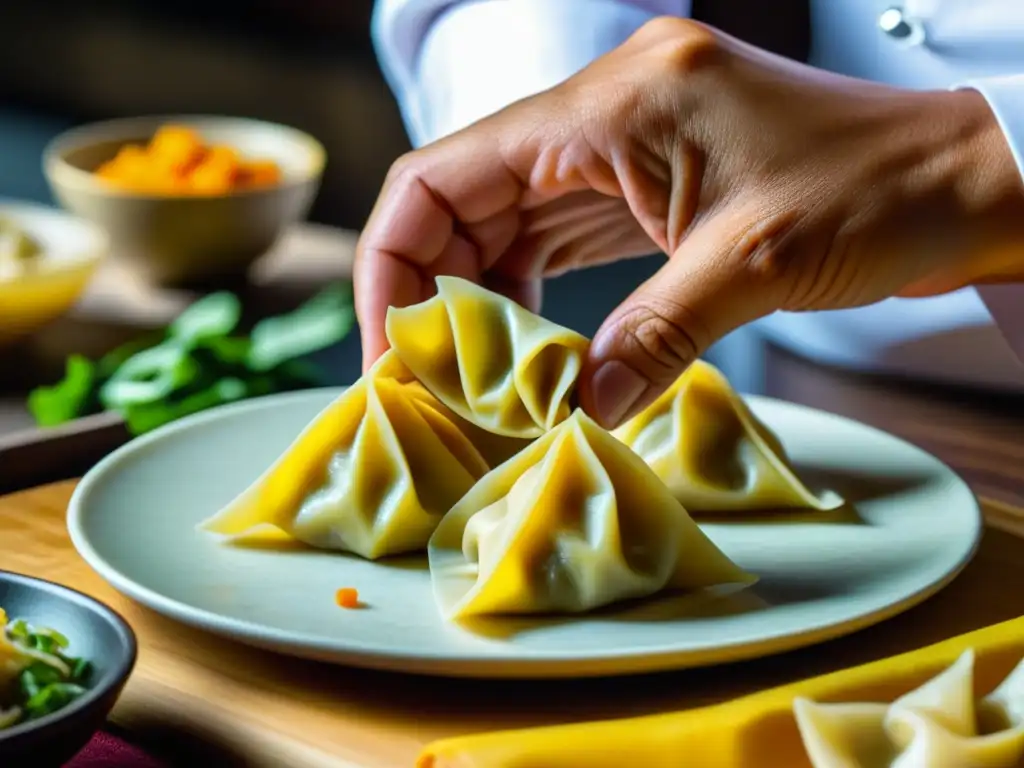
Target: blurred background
305	63
308	64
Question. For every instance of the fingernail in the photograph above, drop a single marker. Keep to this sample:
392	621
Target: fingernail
616	388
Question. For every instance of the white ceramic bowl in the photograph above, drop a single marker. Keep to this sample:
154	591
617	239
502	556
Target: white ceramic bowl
177	239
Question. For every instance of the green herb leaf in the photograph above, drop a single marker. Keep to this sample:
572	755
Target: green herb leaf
67	399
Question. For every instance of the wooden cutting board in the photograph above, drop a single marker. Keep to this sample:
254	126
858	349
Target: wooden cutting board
203	698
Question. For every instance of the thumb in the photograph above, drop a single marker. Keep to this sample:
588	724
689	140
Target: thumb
712	284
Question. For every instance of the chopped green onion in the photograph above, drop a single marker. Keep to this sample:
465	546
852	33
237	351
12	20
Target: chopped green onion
19	630
53	697
81	669
48	680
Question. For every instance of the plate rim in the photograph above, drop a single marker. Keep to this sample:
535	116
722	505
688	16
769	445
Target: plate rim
560	664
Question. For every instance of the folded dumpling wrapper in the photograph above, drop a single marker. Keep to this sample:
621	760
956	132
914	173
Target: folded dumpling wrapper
573	522
937	725
756	731
373	473
712	452
490	360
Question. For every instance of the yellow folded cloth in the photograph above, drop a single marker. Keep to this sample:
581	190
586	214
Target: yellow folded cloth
757	731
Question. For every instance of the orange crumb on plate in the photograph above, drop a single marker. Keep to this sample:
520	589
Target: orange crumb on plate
347	597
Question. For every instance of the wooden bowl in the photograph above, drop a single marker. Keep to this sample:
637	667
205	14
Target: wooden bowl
97	633
72	250
188	239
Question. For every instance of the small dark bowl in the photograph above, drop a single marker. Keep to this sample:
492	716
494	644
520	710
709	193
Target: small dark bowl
97	633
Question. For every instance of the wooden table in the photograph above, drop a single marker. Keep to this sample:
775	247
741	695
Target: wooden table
199	698
196	697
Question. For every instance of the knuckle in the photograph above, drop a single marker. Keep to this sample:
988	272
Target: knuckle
765	253
684	46
404	166
661	340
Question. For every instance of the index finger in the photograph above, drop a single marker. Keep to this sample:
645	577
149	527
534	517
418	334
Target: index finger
435	213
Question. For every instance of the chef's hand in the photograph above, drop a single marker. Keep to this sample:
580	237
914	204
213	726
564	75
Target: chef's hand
772	185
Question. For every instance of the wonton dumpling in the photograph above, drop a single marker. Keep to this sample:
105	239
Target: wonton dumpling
711	451
490	360
934	726
373	474
573	522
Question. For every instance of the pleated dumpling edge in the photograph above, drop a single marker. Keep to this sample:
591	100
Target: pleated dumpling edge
491	361
573	522
372	474
937	724
712	451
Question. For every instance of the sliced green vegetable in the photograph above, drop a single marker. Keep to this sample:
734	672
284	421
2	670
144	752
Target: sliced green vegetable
200	362
216	314
66	399
50	681
110	362
323	321
147	416
149	376
51	698
81	669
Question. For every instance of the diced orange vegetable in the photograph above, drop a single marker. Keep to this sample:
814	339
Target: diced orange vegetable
347	597
261	173
225	156
175	141
213	177
177	162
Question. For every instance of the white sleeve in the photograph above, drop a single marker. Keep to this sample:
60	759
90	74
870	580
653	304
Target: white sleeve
452	62
1006	302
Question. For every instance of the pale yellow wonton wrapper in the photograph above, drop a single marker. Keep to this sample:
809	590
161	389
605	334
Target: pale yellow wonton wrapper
573	522
497	365
372	474
713	453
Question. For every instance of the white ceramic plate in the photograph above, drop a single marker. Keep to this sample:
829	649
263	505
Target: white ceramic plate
133	519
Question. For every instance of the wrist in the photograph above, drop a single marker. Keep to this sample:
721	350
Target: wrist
986	184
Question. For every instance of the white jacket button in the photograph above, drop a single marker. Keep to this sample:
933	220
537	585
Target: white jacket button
899	26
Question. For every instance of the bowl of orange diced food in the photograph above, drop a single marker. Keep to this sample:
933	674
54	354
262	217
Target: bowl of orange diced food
187	199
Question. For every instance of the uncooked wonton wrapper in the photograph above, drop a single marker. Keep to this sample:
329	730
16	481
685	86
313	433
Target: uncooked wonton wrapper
938	725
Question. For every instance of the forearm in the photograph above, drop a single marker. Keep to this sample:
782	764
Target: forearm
466	60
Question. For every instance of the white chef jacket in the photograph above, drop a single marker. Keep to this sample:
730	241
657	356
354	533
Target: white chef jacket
452	62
